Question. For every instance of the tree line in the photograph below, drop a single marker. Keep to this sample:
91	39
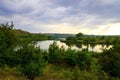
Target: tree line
95	39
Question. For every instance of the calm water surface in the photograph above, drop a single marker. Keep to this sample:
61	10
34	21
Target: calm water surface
96	48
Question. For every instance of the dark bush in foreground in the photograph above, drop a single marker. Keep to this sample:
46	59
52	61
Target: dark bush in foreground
78	58
8	41
32	61
110	61
69	57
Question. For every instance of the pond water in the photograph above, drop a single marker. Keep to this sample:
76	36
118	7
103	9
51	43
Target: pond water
91	47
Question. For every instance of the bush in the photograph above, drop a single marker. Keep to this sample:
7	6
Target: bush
74	58
69	57
110	61
56	54
32	61
8	41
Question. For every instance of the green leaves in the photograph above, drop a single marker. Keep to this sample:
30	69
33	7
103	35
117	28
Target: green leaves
32	61
78	58
110	61
55	53
27	56
8	41
69	57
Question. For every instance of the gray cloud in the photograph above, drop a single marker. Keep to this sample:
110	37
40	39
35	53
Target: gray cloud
41	15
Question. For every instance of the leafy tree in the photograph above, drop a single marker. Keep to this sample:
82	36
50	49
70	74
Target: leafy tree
79	35
31	60
8	42
8	36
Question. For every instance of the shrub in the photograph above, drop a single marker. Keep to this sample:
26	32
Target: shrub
8	41
56	54
32	61
80	58
110	61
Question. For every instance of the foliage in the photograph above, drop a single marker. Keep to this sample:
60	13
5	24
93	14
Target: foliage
96	39
7	36
32	61
25	36
13	54
69	57
110	61
16	53
71	38
79	35
55	53
74	58
8	41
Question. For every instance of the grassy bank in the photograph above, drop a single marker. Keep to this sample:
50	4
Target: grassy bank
56	72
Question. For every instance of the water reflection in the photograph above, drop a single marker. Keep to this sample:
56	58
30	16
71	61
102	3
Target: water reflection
90	47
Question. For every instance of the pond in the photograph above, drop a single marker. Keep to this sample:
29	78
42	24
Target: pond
90	47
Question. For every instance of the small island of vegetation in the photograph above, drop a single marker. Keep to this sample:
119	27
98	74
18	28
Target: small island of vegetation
93	39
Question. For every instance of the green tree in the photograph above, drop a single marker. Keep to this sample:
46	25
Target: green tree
79	35
31	60
8	42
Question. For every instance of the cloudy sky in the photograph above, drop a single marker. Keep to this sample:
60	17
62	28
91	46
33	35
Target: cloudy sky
101	17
